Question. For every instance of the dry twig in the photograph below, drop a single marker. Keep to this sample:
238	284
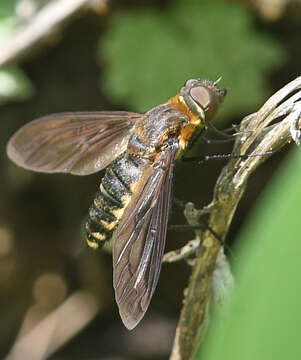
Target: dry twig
57	328
45	22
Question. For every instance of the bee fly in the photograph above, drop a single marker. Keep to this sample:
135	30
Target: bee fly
132	203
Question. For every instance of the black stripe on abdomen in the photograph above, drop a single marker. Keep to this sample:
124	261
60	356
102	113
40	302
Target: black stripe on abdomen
113	196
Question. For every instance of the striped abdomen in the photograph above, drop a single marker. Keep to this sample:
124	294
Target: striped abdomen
114	194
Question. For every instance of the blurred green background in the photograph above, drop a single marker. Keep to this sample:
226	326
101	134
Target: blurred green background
133	55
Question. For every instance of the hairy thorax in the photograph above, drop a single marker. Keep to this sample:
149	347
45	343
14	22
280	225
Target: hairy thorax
152	132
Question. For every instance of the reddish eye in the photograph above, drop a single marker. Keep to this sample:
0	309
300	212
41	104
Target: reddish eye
201	95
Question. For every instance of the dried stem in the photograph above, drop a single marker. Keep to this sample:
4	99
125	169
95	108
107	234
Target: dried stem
45	22
258	136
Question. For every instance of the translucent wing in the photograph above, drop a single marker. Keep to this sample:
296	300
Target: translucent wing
140	239
79	143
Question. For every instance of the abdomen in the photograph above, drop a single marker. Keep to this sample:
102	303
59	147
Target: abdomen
114	194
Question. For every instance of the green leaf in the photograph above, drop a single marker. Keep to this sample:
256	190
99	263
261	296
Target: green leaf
149	54
264	319
8	19
7	8
14	84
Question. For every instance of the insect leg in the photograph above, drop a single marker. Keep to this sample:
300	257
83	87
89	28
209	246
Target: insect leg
203	158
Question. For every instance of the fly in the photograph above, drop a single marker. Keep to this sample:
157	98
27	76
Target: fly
132	203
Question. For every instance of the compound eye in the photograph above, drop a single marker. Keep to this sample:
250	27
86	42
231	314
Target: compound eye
202	96
190	82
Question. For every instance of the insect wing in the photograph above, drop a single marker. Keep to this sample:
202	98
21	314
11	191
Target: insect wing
78	143
140	239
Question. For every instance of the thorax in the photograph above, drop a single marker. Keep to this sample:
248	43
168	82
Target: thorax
151	133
